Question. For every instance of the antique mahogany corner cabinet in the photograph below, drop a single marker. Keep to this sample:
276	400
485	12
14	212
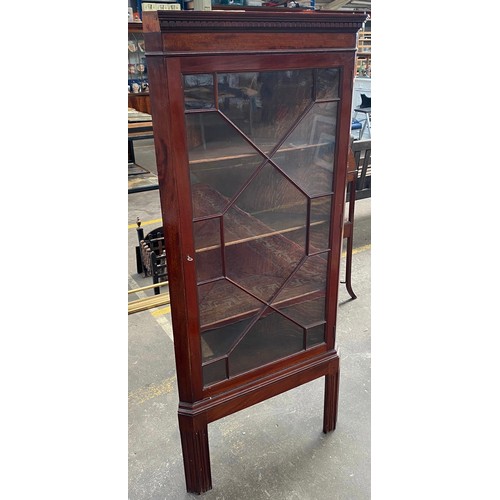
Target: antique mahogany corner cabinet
251	115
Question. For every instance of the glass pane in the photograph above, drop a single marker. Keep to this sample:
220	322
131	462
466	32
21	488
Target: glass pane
214	372
221	302
319	231
217	342
220	162
271	338
307	154
207	245
199	92
327	83
306	312
275	201
309	282
259	214
260	256
315	335
265	105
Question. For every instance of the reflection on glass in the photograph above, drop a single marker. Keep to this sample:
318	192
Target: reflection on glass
218	341
265	105
214	372
315	335
308	282
307	154
265	233
221	301
199	92
220	162
306	312
327	83
275	201
319	231
261	224
207	244
271	338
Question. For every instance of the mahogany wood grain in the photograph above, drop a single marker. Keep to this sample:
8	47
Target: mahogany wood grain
194	440
239	398
256	40
252	62
140	102
191	43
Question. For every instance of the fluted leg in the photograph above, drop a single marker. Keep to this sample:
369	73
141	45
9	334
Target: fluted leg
195	452
331	399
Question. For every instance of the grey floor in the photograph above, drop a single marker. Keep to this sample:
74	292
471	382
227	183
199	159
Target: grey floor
275	449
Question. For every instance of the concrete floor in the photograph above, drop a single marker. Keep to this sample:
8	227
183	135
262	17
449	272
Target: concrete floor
256	453
361	86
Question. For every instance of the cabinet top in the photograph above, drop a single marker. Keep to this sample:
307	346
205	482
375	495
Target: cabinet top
259	20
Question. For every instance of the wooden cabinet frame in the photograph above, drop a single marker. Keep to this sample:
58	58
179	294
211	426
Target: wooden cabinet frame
211	43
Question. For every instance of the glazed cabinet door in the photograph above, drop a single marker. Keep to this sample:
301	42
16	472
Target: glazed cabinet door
262	162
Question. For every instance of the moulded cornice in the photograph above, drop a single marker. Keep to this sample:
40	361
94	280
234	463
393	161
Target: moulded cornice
238	21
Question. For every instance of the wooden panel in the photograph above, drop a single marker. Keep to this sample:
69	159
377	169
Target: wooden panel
252	62
135	27
235	399
239	42
140	102
257	30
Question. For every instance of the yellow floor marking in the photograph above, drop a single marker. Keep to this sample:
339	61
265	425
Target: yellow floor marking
166	386
145	223
161	319
359	249
153	391
161	311
166	310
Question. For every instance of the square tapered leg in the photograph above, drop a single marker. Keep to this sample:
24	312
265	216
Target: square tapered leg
331	398
195	451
